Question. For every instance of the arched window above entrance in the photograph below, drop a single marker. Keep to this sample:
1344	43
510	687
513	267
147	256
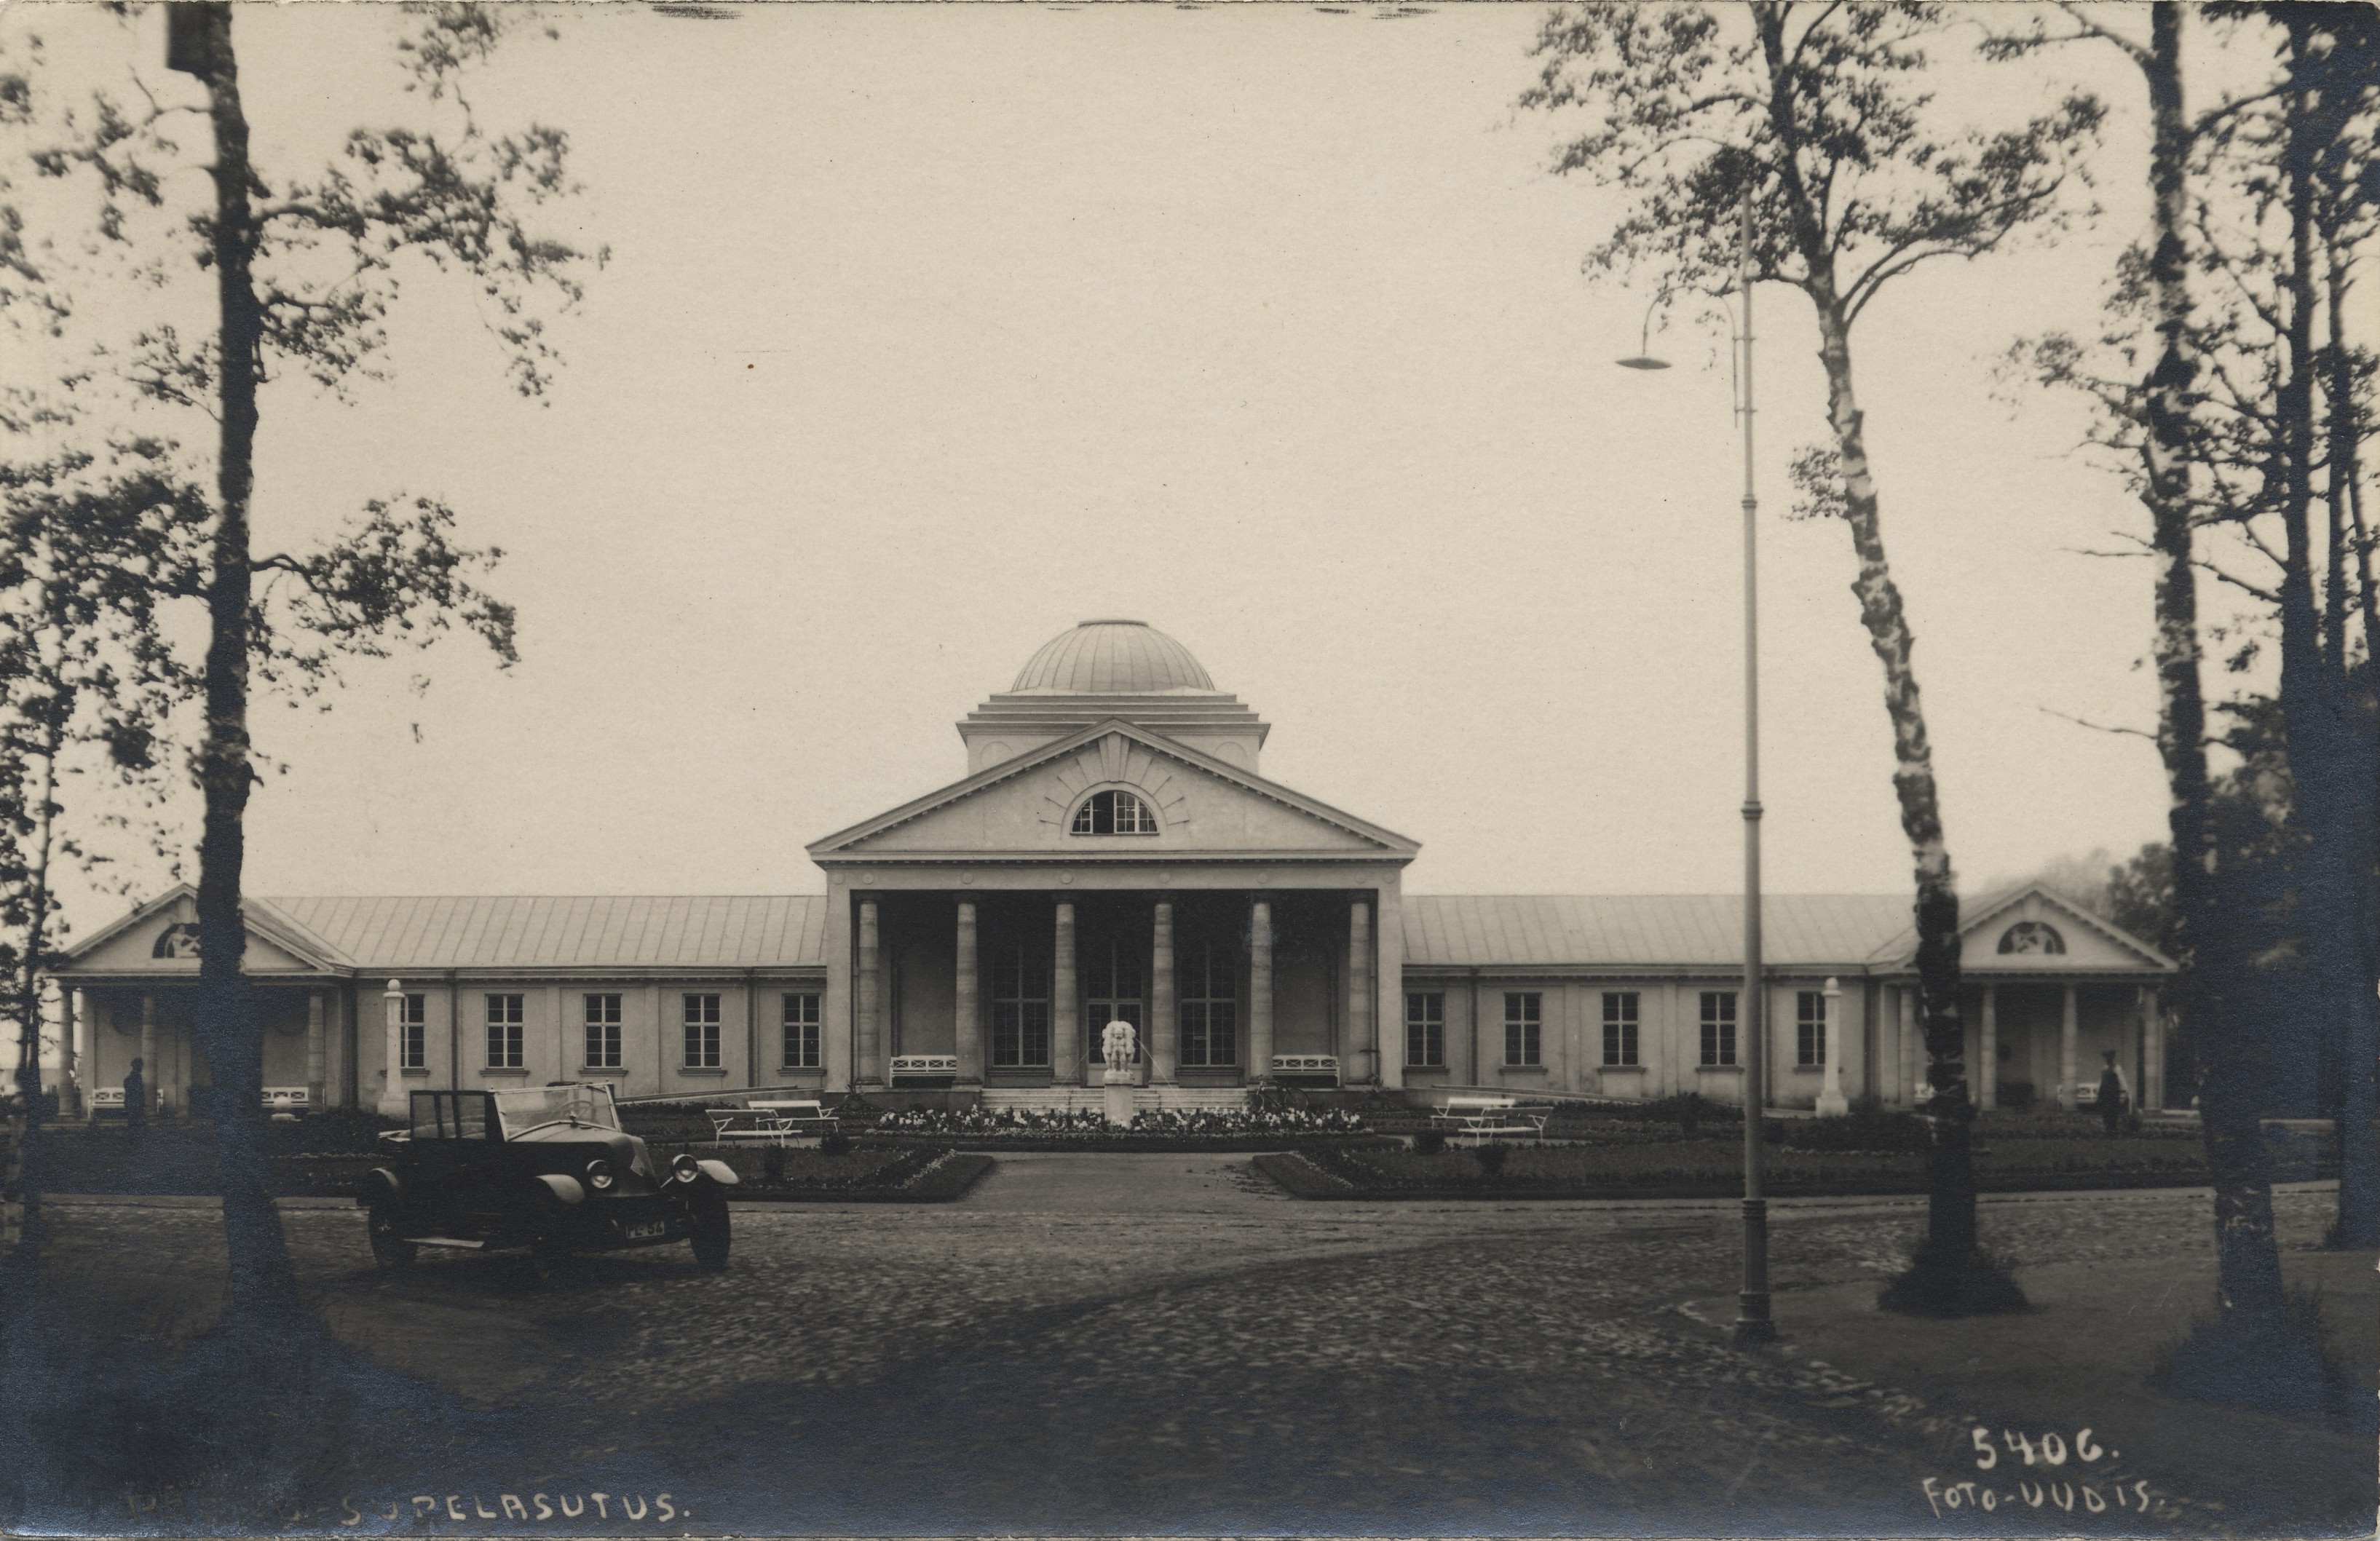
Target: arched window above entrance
2032	935
1114	813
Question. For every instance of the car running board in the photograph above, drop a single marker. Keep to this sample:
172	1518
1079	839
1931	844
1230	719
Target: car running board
442	1241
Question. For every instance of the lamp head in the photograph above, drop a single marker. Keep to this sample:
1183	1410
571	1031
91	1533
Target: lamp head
1643	362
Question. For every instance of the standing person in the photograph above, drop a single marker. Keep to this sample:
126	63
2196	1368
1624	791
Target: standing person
135	1103
2111	1093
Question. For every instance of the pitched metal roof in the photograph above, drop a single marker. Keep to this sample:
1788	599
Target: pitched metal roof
1685	930
538	931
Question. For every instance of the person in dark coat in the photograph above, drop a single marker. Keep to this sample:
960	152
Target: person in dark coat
2111	1093
135	1103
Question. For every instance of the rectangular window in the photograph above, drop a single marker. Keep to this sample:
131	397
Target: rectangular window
505	1015
702	1031
1020	1007
1210	1006
1522	1027
603	1032
1620	1027
1718	1026
413	1033
1425	1028
1810	1027
801	1030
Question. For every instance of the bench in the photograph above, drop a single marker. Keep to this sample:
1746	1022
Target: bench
924	1070
287	1102
770	1122
1305	1069
1475	1120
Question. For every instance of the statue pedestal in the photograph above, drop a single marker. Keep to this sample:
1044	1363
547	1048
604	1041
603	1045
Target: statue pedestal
1118	1085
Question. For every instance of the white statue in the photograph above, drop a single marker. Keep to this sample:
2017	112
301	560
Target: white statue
1117	1043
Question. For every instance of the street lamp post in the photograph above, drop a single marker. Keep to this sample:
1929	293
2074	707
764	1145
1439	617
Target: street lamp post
1753	1324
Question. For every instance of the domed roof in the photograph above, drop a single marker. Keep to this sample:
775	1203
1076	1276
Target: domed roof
1111	658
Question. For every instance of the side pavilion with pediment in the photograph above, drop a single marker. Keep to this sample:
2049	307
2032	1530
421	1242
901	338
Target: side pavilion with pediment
1115	855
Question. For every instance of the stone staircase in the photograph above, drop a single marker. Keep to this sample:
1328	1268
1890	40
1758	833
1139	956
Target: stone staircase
1070	1099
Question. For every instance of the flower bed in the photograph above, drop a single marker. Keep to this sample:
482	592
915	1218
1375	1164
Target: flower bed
1162	1129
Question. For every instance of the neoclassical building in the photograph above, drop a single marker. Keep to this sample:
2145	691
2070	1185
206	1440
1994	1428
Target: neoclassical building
1114	852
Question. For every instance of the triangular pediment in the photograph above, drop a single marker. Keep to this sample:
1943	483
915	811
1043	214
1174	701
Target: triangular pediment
161	938
1023	808
2032	929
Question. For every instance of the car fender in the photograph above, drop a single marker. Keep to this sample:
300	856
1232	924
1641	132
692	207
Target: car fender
718	1172
563	1188
380	1186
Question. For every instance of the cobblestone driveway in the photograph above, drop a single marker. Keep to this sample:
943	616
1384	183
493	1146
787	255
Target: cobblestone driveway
1167	1343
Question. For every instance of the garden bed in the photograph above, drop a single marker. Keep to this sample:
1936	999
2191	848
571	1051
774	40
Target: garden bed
1712	1167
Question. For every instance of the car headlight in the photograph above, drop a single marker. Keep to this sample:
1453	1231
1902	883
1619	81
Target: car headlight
686	1167
598	1172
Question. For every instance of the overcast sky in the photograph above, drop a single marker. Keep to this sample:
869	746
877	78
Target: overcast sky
930	331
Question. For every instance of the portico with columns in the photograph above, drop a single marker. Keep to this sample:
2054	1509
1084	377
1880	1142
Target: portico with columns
1114	855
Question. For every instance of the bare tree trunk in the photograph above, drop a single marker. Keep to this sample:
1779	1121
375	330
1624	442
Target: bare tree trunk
2206	989
24	1174
2359	1101
263	1281
1950	1226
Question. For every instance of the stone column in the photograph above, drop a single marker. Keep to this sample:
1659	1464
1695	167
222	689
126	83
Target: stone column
1260	991
70	1025
2068	1029
1830	1059
1354	1065
1988	1073
1912	1048
152	1079
1067	1065
315	1078
393	1100
870	1070
1164	1021
2152	1052
968	1036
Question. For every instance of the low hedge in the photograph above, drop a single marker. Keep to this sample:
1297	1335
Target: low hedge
1712	1167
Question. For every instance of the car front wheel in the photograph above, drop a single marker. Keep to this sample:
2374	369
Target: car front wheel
390	1249
711	1233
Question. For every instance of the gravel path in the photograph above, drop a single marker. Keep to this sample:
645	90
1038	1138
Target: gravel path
1160	1343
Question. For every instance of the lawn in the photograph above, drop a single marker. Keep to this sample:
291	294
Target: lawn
327	1156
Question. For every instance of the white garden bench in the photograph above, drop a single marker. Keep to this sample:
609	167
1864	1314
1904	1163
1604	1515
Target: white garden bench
775	1122
1476	1120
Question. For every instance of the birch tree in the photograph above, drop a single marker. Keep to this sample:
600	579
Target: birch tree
304	268
1822	116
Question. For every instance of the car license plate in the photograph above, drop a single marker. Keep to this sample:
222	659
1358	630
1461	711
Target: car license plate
644	1231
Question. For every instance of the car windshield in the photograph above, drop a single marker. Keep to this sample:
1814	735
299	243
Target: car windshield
589	1105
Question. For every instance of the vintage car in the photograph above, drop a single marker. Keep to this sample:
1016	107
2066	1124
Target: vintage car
545	1168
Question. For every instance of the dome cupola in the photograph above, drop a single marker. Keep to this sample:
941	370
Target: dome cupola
1110	657
1103	668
